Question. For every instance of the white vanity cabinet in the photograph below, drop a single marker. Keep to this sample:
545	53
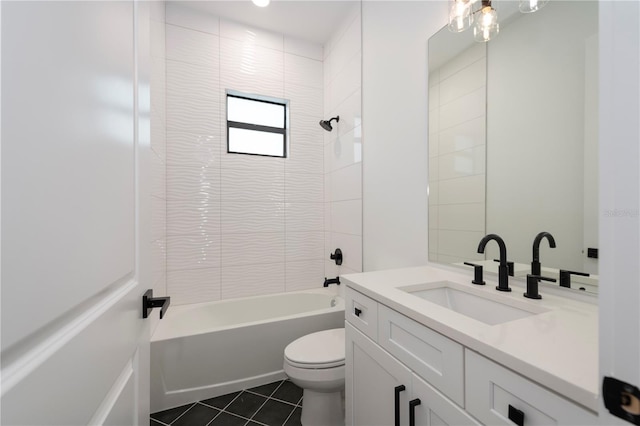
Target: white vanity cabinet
381	391
393	361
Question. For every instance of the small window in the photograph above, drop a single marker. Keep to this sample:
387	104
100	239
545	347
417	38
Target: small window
256	125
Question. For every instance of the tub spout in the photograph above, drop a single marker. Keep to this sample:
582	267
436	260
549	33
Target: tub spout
328	281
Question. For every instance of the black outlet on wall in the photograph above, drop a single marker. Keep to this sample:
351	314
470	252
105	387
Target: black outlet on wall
592	253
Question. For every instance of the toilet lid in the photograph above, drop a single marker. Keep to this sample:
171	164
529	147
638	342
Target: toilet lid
323	349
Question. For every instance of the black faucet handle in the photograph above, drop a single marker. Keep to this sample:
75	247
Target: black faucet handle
565	277
532	285
510	267
336	256
477	273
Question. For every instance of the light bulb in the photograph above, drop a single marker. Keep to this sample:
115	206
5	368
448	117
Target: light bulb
530	6
261	3
460	16
487	25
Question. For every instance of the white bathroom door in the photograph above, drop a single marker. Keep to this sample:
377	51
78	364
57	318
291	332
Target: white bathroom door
619	235
74	213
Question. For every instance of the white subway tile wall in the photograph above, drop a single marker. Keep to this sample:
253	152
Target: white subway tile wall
343	146
242	225
457	151
158	151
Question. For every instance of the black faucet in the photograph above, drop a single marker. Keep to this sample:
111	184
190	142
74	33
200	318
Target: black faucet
328	281
565	277
535	263
532	285
503	269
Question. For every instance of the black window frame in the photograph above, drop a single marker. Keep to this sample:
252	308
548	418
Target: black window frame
257	127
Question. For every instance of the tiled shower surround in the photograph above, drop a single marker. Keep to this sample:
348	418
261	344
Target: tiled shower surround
240	225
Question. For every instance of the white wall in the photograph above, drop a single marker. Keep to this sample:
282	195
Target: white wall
457	147
240	225
619	155
395	113
343	145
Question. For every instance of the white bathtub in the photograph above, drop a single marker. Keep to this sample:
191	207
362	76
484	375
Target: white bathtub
204	350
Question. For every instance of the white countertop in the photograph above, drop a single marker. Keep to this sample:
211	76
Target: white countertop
557	349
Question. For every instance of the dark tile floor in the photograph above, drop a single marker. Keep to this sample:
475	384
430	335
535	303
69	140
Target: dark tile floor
274	404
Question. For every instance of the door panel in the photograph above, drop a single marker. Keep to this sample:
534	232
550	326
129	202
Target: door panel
75	209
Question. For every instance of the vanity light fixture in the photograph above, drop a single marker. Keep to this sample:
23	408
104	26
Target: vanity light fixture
462	15
530	6
261	3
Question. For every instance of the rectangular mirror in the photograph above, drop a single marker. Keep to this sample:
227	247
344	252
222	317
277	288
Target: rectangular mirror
513	140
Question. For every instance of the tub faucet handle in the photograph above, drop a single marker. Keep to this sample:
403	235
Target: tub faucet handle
328	281
149	302
337	256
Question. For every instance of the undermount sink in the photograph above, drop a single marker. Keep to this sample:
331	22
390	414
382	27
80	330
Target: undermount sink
465	301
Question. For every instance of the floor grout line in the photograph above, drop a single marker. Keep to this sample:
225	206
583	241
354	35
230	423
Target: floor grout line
289	416
183	413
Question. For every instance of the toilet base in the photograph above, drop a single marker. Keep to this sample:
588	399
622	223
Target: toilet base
322	408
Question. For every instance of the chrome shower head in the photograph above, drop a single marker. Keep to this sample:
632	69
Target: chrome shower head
326	124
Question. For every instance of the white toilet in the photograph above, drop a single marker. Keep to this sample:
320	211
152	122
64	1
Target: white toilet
315	362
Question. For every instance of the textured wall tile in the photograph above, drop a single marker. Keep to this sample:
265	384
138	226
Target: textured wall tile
194	47
192	150
253	280
305	158
304	101
158	218
250	217
303	48
304	217
304	187
302	71
193	183
305	246
158	258
193	252
193	81
245	34
188	115
304	275
194	286
346	82
158	177
190	217
253	184
249	68
254	248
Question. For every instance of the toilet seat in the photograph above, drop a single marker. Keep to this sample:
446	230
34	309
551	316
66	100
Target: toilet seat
320	350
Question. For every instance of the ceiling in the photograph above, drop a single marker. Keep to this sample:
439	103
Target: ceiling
310	20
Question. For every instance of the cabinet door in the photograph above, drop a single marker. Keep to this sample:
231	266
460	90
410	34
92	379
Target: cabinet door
372	376
435	409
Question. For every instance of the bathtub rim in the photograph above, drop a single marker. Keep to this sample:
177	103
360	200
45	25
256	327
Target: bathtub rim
340	306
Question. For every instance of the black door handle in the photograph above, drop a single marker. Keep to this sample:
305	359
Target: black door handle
516	416
357	311
149	302
412	411
397	391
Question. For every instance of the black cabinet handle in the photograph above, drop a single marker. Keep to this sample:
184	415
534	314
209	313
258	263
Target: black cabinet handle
516	416
412	411
357	311
149	302
397	391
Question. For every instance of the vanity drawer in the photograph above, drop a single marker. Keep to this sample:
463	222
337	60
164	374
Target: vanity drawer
491	389
435	358
362	312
